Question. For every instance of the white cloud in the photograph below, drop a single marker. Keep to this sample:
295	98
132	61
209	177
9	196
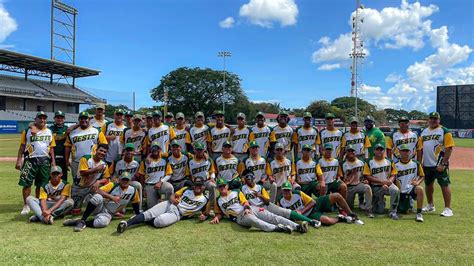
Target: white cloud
439	37
464	75
370	90
329	67
227	23
337	50
7	23
267	101
265	13
393	77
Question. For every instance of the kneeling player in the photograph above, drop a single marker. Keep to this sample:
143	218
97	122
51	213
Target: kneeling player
186	203
53	199
298	201
109	199
234	205
410	175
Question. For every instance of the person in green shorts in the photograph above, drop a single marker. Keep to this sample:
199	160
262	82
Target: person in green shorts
60	131
375	135
35	157
316	209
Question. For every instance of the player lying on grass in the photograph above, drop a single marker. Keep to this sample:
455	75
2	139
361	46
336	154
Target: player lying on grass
410	175
54	199
258	196
186	203
234	205
108	200
315	209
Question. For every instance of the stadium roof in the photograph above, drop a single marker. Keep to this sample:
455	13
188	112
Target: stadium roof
33	63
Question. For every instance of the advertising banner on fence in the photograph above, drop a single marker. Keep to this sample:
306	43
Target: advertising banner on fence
8	127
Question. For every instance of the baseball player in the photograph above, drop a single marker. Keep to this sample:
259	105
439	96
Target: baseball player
218	134
153	170
375	135
240	138
53	201
98	121
330	135
136	136
438	146
93	172
410	175
128	118
306	175
35	157
283	134
258	196
182	134
203	167
258	165
148	121
359	141
306	134
315	209
381	172
234	205
80	142
186	203
199	131
161	133
112	132
169	119
60	132
328	171
352	173
403	136
108	200
260	133
179	164
228	166
281	169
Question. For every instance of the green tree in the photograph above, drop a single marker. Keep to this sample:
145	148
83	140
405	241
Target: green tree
196	89
319	108
417	115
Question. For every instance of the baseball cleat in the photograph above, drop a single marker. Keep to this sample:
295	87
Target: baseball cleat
429	208
25	210
358	222
447	212
315	223
50	221
393	215
80	226
419	218
70	222
121	227
344	218
284	228
33	219
303	227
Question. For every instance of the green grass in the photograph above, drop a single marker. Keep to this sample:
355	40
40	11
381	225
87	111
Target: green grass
9	144
380	240
469	143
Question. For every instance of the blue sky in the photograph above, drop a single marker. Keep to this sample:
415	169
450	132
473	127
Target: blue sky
286	51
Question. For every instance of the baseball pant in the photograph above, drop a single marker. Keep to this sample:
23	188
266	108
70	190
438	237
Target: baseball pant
102	216
78	194
74	169
361	189
263	220
272	188
162	214
277	210
34	204
378	200
61	162
153	195
211	187
138	187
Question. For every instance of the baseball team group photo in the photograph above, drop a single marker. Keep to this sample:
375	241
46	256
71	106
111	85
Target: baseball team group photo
169	156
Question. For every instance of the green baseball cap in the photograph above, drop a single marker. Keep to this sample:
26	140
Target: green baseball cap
119	111
283	112
241	115
156	113
434	115
227	143
287	186
137	117
260	114
219	112
307	114
404	147
403	119
83	114
328	146
148	114
174	143
179	115
353	119
125	175
169	114
350	147
41	113
221	182
100	106
55	169
155	145
369	118
198	114
129	146
253	144
128	113
379	145
278	145
329	116
307	147
59	113
199	146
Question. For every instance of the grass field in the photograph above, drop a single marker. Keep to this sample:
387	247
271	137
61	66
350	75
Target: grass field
468	143
9	144
380	240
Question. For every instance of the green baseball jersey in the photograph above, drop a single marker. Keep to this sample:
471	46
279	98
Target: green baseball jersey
375	136
59	135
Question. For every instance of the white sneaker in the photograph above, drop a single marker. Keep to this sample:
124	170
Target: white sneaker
447	212
26	210
419	217
429	208
358	222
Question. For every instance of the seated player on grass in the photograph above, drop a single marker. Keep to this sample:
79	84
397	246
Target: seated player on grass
108	200
54	199
186	203
410	175
315	209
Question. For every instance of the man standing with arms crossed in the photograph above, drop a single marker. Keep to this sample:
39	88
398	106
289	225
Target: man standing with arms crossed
136	136
359	141
306	135
438	146
112	132
38	156
330	135
283	134
199	131
182	134
260	133
60	134
403	136
161	133
240	138
217	136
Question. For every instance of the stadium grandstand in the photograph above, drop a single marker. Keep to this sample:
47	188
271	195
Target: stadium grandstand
36	84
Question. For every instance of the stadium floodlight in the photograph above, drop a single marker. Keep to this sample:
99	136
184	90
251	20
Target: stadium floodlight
224	54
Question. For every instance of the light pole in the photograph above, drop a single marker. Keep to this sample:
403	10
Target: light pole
224	54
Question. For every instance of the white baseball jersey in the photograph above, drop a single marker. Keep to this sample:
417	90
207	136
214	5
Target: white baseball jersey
398	138
257	166
240	140
190	203
382	169
199	134
297	202
262	137
183	138
305	136
38	145
407	172
179	166
154	170
329	169
227	168
347	168
87	162
162	134
250	196
202	168
84	141
333	137
121	166
136	137
126	196
306	171
115	147
281	170
434	142
232	204
98	123
282	135
217	137
358	140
